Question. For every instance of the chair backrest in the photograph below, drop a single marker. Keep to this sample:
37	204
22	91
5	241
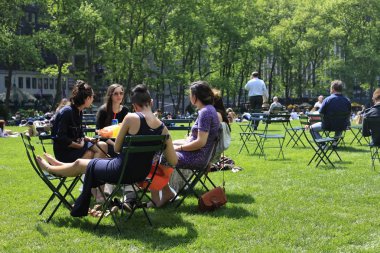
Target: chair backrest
214	146
337	121
277	109
374	128
138	152
30	152
314	118
304	120
44	138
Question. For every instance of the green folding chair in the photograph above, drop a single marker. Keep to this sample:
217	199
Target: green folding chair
61	187
139	152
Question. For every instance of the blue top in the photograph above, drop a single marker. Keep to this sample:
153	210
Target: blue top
335	103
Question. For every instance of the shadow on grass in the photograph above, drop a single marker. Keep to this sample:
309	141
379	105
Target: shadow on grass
168	230
240	198
339	165
227	211
353	149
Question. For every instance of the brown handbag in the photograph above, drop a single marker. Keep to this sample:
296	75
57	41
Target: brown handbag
212	199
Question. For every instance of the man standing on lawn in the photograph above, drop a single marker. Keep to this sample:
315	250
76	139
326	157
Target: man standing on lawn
335	103
256	91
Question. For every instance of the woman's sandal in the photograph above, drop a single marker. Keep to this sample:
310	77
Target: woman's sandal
98	213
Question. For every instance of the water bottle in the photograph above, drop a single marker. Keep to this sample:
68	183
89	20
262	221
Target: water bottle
115	122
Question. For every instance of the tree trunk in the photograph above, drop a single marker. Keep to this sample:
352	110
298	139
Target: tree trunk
58	94
8	85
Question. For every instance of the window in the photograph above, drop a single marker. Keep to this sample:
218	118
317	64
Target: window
46	83
51	83
27	82
40	83
21	82
34	83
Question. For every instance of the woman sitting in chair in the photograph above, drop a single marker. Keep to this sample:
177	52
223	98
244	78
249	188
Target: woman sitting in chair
98	171
193	151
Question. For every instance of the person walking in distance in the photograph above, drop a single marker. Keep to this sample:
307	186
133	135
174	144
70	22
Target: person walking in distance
256	91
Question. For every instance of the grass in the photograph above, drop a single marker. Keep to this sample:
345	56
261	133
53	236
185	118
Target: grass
274	205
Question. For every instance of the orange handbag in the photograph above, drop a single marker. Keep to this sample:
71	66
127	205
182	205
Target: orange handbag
161	178
212	199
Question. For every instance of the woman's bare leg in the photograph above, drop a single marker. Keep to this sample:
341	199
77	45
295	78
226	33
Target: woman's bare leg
167	195
155	197
73	169
96	149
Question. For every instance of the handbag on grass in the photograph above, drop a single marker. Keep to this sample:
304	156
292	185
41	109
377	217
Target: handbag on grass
213	199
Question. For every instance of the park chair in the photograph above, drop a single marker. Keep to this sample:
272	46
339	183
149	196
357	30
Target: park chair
356	131
139	153
178	124
321	147
265	135
88	124
249	131
374	129
296	132
44	139
338	121
61	187
196	174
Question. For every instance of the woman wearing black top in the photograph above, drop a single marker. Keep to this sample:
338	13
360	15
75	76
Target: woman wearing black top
112	107
70	143
110	110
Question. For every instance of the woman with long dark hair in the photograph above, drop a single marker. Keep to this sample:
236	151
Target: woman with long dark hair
113	107
69	141
193	151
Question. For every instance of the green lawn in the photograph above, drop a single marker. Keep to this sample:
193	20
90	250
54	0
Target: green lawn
274	205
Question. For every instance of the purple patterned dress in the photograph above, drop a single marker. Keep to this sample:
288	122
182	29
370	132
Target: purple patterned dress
207	121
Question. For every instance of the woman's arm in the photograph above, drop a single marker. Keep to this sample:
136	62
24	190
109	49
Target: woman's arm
125	125
169	152
198	143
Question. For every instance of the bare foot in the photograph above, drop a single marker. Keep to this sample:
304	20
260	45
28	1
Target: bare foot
52	160
44	165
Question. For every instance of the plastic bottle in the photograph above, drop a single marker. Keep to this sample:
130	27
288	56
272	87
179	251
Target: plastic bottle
116	129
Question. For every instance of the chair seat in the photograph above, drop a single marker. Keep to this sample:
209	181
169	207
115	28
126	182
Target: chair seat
271	136
296	128
324	140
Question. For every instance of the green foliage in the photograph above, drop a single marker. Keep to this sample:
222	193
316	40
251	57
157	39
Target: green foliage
296	45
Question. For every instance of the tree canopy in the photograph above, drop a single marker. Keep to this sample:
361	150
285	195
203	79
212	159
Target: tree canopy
297	46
